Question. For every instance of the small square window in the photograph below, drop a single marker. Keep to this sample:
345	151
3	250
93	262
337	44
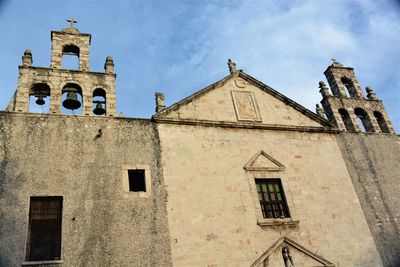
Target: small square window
137	180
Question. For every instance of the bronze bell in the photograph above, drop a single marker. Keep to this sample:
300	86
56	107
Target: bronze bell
39	100
99	110
71	102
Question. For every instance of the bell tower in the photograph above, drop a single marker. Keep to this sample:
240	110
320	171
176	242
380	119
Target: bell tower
347	107
81	91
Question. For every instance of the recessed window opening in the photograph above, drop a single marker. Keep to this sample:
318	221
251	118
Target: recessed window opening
349	86
381	122
272	198
70	59
39	98
137	180
346	120
99	102
71	99
363	120
44	236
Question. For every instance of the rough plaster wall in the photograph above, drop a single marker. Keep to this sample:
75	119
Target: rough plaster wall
373	163
213	210
63	156
217	105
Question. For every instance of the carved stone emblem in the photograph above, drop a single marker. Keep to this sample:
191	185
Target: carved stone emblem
245	106
240	83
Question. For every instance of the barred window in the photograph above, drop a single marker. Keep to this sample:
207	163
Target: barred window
272	198
44	237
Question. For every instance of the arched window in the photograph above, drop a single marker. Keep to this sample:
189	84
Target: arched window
71	99
381	122
70	59
349	86
347	120
39	98
363	120
99	102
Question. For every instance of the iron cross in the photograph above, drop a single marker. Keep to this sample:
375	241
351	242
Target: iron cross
334	60
72	21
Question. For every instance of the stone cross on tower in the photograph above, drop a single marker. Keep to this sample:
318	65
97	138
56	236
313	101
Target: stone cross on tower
72	21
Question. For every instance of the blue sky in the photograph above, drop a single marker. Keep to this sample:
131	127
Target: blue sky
179	47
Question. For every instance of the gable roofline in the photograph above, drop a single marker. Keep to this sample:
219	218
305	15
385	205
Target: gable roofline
261	85
296	245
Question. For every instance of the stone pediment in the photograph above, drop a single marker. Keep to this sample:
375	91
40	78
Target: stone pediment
261	161
241	100
286	252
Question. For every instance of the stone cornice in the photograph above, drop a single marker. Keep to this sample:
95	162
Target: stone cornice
245	125
68	71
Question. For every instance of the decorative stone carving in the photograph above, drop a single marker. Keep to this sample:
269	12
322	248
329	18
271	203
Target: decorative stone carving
240	83
246	106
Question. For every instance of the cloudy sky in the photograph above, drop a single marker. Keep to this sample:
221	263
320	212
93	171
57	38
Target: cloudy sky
179	47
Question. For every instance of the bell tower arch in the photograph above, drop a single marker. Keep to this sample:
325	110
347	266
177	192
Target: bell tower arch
61	98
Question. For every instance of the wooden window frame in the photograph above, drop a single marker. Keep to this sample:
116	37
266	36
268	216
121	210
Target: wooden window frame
272	198
45	216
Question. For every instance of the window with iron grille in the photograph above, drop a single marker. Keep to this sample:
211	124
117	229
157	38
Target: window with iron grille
272	198
44	237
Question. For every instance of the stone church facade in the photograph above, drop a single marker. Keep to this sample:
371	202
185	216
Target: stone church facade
236	174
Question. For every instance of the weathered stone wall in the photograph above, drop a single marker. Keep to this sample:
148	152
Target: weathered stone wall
102	224
373	163
213	206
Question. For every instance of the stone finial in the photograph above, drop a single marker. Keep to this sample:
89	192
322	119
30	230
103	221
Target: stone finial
27	58
319	111
159	102
109	65
323	89
370	93
232	66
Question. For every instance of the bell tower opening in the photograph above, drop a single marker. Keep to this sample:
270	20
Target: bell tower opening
363	120
70	58
71	99
39	98
347	120
349	86
381	122
99	102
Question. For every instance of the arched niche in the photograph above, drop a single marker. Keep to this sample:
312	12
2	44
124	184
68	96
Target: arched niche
39	98
99	103
381	122
363	120
347	120
71	99
70	57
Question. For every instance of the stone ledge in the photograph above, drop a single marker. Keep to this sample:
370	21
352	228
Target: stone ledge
54	263
278	222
